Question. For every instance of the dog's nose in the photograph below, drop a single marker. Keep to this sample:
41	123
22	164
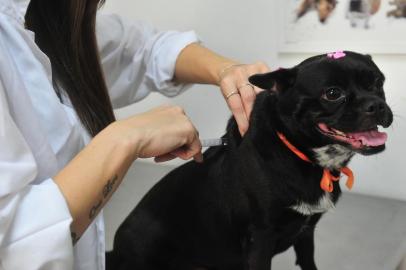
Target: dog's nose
378	109
374	107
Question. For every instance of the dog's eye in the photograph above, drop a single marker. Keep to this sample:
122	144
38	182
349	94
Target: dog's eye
333	94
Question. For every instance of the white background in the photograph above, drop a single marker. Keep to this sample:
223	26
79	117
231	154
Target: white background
249	31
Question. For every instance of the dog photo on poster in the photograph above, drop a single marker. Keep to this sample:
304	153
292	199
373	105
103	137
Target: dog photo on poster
373	26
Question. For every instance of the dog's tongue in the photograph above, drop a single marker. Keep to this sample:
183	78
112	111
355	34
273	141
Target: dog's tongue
370	138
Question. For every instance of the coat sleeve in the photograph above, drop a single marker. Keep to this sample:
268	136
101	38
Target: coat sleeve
138	59
34	219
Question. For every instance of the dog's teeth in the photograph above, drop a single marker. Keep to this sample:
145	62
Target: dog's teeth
340	132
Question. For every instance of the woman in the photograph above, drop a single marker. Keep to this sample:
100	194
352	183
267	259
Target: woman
62	152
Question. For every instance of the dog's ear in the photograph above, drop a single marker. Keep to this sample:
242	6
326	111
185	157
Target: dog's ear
277	80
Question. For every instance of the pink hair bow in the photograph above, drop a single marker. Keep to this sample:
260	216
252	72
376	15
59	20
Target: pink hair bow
336	55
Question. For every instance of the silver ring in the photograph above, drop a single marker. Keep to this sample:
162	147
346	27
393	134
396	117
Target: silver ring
235	92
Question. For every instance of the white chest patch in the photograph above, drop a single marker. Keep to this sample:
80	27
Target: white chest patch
325	203
332	156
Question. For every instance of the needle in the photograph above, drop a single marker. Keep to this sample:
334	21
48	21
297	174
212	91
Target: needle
214	142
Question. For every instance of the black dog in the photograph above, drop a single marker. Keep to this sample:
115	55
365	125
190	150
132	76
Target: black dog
257	196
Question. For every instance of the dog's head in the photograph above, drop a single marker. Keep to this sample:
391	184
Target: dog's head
334	99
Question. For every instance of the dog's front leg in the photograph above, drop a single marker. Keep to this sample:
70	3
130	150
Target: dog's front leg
304	248
259	253
304	245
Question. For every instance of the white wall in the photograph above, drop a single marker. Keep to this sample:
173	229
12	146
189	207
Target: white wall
247	31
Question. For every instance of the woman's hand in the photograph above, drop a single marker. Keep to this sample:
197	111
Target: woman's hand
163	133
238	92
197	64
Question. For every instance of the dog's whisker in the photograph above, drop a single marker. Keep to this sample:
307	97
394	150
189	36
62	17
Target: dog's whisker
399	116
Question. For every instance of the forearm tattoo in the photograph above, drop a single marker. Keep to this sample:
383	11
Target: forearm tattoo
94	209
109	186
107	189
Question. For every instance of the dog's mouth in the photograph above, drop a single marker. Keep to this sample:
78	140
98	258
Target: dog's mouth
357	140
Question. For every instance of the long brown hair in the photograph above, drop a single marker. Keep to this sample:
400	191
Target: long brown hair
65	31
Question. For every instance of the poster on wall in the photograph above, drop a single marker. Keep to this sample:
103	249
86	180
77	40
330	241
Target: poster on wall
316	26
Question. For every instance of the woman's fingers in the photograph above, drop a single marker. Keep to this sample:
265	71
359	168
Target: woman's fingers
237	108
239	93
229	86
163	133
190	150
248	95
192	147
193	150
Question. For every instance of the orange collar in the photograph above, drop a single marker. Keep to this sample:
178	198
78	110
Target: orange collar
326	182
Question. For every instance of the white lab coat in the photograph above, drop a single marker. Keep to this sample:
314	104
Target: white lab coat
39	135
